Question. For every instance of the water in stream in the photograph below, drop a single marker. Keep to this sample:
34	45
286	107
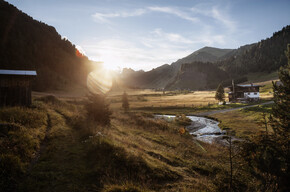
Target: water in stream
204	129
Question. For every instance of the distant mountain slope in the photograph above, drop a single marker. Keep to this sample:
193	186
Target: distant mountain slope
265	56
237	52
206	54
29	44
161	76
198	76
156	78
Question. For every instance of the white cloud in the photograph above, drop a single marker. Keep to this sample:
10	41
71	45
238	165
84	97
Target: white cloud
174	11
216	14
172	37
210	25
223	19
103	17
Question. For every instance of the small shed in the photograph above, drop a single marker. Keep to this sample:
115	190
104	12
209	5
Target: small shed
244	93
15	87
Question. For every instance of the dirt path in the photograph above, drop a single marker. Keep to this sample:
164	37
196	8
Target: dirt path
42	145
232	109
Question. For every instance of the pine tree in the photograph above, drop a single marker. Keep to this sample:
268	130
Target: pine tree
125	102
280	119
220	93
98	110
268	155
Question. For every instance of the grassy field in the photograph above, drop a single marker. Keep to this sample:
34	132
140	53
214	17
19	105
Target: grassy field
53	146
246	122
177	103
57	149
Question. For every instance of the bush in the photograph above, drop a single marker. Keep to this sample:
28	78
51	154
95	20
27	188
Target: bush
98	110
182	120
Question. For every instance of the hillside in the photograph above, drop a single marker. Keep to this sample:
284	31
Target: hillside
266	56
205	54
165	75
197	76
32	45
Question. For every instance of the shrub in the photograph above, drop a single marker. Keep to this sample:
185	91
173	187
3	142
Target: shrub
182	120
125	102
98	110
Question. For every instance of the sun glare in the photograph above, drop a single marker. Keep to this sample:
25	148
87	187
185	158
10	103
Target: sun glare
100	81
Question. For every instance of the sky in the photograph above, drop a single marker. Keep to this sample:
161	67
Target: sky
145	34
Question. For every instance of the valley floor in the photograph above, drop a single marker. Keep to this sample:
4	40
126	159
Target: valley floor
52	146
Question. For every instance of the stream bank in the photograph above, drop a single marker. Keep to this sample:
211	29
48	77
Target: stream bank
202	128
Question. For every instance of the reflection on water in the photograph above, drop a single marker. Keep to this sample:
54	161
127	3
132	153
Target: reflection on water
99	81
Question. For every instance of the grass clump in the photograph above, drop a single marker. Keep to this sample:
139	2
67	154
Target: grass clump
30	118
50	99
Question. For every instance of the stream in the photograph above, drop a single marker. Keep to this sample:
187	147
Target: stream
204	129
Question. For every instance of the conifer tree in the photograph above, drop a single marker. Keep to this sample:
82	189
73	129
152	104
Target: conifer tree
125	102
268	156
98	110
280	119
280	122
220	93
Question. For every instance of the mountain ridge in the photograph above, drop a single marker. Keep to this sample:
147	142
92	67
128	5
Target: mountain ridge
26	43
264	56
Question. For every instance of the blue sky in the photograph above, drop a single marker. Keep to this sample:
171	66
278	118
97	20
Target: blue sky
144	34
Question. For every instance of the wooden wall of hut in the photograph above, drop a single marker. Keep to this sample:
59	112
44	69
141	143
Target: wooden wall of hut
15	90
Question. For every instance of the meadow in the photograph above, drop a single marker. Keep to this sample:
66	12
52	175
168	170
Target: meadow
53	146
63	151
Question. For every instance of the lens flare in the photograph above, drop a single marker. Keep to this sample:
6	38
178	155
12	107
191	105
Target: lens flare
99	81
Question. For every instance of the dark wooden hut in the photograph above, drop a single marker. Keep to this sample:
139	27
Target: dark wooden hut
15	87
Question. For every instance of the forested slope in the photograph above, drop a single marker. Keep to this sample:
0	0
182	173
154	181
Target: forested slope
32	45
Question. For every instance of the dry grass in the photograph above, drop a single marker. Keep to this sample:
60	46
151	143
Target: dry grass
135	152
245	122
162	147
193	99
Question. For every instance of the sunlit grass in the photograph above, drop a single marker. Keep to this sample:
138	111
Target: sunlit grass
245	122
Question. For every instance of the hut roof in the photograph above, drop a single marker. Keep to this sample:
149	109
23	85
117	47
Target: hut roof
17	72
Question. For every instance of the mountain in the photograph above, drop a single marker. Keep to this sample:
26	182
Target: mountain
32	45
197	76
265	56
206	54
207	67
165	75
